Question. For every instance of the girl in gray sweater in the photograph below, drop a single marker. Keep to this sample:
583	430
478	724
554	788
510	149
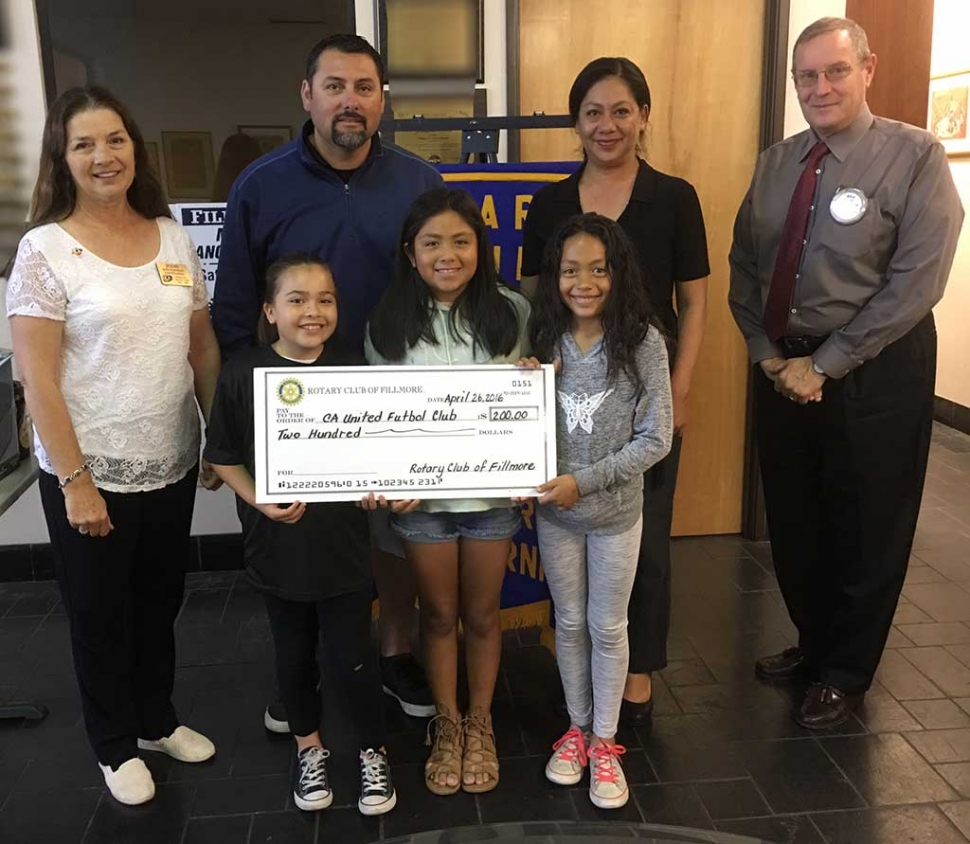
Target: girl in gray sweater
592	319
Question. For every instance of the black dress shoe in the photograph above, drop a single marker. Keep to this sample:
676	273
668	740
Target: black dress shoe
783	666
825	706
635	714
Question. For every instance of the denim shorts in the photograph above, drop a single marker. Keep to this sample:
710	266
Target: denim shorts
433	528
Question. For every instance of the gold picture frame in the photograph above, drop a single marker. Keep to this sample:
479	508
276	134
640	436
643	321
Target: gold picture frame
947	112
189	164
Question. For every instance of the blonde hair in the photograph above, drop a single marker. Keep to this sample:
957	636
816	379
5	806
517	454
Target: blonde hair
860	42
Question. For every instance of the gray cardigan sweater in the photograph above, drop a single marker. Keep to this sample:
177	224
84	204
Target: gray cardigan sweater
609	434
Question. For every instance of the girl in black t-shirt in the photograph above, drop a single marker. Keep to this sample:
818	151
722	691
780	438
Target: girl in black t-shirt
310	561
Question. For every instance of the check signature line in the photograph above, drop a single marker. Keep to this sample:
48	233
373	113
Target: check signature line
455	432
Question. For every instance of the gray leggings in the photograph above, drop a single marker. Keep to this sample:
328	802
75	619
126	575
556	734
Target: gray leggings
590	578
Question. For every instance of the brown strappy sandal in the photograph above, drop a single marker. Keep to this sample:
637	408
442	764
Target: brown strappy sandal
479	756
445	756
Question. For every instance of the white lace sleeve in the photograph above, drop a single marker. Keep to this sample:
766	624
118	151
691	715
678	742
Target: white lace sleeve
33	289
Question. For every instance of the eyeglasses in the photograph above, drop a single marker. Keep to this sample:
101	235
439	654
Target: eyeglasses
833	73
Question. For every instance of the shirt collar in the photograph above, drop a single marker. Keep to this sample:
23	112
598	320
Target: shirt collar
644	186
841	143
311	152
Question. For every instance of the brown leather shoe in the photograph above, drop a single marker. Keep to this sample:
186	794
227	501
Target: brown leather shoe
825	706
783	666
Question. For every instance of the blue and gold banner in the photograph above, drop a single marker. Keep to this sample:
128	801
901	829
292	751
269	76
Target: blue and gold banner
504	193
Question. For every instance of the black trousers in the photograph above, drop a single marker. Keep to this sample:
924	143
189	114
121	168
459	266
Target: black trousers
342	624
843	480
649	610
122	594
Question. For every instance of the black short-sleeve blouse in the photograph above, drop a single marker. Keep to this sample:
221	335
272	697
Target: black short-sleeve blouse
663	219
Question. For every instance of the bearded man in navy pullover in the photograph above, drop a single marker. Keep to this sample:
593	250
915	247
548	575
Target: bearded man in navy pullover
340	193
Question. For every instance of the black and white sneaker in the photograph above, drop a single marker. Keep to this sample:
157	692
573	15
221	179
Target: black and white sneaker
311	787
274	718
377	794
403	679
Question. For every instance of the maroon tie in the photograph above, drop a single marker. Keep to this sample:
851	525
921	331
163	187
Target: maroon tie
790	249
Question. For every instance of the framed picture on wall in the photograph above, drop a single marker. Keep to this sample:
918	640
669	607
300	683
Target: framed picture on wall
948	106
189	168
269	137
154	161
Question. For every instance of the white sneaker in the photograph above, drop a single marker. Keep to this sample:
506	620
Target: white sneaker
607	783
131	784
184	744
565	766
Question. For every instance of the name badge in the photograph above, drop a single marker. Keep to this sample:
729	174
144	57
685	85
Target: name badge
848	206
174	275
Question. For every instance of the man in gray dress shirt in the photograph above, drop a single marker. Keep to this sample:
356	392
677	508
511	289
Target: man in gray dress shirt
840	252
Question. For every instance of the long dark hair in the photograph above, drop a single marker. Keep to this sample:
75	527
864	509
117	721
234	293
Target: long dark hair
603	68
55	193
404	316
266	332
628	314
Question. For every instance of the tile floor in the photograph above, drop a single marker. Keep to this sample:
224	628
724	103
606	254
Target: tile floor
722	753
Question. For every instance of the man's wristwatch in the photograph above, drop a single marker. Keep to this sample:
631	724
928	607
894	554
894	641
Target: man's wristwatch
818	369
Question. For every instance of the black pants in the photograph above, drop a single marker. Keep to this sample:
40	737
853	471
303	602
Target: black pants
343	623
649	611
843	480
121	594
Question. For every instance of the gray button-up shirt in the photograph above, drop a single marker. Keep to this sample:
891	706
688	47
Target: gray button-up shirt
867	283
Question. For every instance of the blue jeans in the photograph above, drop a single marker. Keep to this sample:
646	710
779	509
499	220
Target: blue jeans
434	528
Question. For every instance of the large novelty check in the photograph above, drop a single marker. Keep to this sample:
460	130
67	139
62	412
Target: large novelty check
338	433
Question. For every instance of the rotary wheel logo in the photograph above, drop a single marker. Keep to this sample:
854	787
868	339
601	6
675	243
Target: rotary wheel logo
290	391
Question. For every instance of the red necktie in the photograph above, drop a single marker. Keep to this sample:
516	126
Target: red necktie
790	249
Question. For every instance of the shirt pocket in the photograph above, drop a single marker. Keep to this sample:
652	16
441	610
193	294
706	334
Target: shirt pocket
851	240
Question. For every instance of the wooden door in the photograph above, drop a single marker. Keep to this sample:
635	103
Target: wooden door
702	60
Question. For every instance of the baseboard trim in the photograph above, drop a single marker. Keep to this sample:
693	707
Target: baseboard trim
952	414
210	552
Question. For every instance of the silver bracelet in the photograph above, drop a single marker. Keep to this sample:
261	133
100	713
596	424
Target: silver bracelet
80	470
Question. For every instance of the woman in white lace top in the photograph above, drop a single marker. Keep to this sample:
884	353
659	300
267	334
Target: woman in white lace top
111	333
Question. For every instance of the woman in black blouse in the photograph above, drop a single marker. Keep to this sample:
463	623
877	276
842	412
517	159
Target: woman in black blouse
609	104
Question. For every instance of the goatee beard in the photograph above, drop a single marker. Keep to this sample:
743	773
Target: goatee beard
349	140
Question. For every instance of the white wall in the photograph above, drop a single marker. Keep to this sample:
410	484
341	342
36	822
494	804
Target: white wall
951	23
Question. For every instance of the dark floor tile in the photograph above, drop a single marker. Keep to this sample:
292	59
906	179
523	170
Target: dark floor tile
687	672
524	794
957	774
903	680
886	770
912	824
161	821
233	830
937	633
676	805
211	579
783	829
240	794
32	605
203	606
938	714
285	828
418	809
79	769
256	754
950	675
725	800
798	776
48	817
586	811
348	826
682	748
